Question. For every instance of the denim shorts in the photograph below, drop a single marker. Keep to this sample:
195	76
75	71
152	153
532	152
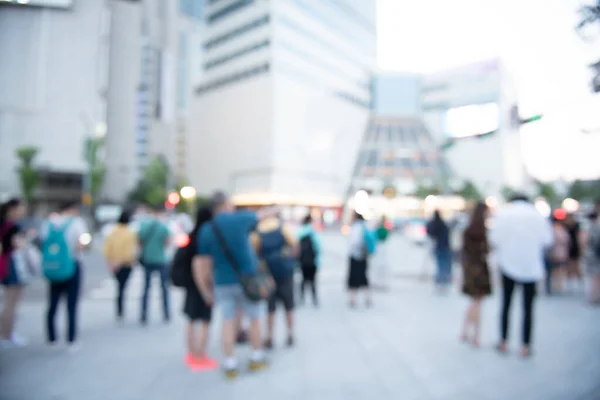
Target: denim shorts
231	298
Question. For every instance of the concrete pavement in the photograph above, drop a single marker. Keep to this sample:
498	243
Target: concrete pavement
406	347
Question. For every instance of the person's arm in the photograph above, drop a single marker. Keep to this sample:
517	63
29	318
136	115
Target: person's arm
202	273
291	241
255	241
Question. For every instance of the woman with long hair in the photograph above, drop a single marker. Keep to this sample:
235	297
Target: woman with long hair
476	274
309	258
198	312
12	238
120	251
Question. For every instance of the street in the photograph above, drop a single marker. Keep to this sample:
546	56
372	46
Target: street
406	347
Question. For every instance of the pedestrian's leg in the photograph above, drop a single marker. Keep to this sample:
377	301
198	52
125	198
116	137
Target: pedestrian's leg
55	291
257	356
271	307
439	267
288	303
508	286
164	285
467	322
548	277
121	275
528	298
12	297
73	289
476	321
313	286
147	279
303	283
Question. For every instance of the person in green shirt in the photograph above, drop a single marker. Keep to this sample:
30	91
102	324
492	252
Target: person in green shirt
154	237
381	256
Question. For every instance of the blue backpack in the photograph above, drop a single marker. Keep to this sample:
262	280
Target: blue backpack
58	263
370	241
273	248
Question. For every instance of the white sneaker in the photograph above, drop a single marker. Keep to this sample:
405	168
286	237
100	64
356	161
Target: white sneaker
18	341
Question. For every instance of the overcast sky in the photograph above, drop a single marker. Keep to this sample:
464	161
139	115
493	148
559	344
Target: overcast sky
537	42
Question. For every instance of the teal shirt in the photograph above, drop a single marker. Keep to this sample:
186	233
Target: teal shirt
316	240
153	235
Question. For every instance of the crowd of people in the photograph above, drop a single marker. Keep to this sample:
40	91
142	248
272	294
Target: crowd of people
241	261
527	247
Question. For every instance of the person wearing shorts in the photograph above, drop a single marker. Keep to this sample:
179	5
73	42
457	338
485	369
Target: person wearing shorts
218	278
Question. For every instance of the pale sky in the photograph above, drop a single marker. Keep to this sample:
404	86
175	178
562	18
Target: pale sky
536	41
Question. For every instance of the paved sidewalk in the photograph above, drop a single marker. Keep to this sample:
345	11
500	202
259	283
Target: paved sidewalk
406	347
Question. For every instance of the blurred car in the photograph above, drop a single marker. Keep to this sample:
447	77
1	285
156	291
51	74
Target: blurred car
416	231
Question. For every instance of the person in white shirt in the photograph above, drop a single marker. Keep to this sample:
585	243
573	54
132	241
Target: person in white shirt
520	235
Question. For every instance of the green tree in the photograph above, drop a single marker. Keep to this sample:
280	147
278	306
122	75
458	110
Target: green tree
470	192
29	177
152	188
546	190
581	191
508	193
97	169
422	191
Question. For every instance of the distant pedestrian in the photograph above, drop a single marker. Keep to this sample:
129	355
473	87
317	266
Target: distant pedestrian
476	274
62	249
120	251
380	258
154	238
520	236
277	247
12	238
225	256
438	230
557	257
592	257
361	247
198	312
574	280
309	258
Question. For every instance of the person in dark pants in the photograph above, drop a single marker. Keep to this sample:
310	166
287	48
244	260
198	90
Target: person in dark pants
120	248
70	290
439	231
520	236
73	230
309	258
154	237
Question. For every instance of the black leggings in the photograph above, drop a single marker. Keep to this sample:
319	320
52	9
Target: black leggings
508	286
122	276
309	275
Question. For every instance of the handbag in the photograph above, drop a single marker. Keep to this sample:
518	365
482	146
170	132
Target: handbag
257	286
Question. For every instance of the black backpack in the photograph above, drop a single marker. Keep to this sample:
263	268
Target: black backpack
308	255
181	268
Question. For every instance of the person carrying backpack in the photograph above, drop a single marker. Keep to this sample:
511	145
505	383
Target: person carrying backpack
276	246
362	246
62	249
309	258
592	257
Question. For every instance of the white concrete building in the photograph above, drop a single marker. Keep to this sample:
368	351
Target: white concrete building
52	85
469	101
284	99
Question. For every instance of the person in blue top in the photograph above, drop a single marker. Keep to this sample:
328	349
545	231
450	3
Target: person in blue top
219	279
310	258
154	237
439	231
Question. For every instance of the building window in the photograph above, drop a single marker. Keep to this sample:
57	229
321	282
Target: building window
225	11
240	53
237	77
257	23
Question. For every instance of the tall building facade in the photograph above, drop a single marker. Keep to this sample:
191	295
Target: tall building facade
150	81
465	102
53	81
284	99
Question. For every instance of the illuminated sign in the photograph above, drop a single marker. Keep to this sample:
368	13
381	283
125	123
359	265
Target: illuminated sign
472	120
40	3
